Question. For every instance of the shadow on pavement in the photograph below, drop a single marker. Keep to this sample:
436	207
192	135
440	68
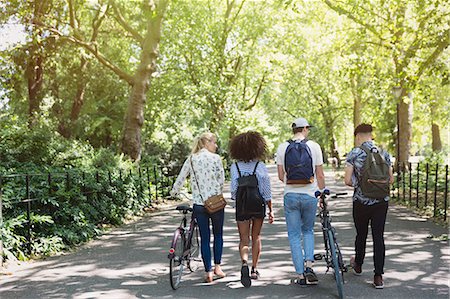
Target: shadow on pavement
131	261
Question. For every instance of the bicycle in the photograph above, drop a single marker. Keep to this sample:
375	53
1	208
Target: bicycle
332	255
185	247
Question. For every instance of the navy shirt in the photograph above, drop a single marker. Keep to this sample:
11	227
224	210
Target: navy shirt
356	158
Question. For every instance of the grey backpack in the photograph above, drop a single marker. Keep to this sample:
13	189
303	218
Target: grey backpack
374	180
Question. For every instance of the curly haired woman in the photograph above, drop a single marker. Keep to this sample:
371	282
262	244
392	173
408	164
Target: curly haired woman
248	149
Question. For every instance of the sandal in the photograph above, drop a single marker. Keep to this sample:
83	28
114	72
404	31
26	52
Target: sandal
219	273
299	281
208	277
254	274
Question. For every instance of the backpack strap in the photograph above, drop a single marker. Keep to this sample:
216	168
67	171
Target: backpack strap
239	171
254	170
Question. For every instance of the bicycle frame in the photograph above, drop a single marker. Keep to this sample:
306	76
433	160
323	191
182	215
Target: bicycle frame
186	235
333	256
182	252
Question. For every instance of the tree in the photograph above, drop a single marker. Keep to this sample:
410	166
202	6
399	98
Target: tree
414	34
153	12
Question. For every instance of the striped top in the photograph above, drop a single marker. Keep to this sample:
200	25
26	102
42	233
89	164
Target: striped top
247	168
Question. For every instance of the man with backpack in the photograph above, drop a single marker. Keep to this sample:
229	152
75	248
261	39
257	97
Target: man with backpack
300	167
368	169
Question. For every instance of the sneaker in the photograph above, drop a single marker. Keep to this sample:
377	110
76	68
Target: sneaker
378	282
311	277
299	281
356	269
245	276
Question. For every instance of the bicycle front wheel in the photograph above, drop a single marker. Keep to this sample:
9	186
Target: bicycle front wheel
176	265
195	258
336	268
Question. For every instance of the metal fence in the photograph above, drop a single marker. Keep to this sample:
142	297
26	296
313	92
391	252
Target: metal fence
423	186
27	192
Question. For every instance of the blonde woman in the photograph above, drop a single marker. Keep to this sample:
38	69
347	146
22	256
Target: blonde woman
206	172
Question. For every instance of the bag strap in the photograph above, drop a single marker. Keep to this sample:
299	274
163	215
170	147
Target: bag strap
254	170
239	171
195	177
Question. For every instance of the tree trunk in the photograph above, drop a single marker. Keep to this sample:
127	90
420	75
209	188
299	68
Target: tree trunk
34	69
134	117
34	74
332	144
436	138
404	118
357	104
78	101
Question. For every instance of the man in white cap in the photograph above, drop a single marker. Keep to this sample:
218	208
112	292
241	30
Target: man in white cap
300	167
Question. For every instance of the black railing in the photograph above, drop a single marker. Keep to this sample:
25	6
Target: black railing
33	192
424	186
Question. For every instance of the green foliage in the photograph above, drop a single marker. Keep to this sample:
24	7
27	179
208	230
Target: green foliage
74	190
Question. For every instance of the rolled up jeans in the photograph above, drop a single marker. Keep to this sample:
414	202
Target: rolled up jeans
300	213
203	220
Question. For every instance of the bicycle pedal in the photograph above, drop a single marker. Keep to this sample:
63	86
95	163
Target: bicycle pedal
318	257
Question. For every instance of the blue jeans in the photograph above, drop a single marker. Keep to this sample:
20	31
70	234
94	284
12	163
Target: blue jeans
217	219
300	212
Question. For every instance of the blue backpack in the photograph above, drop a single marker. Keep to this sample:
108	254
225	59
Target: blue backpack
298	163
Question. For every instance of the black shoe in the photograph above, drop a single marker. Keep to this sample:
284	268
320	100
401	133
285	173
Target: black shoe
299	281
245	276
311	277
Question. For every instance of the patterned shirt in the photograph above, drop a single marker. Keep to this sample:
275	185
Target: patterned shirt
209	175
356	158
247	168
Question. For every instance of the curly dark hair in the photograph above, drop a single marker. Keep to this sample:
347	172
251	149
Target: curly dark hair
248	146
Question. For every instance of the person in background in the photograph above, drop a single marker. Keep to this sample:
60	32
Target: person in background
206	172
248	149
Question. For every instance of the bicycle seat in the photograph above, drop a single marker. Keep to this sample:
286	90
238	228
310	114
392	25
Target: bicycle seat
184	208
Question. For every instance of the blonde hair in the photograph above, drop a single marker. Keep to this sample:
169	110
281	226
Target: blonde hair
200	141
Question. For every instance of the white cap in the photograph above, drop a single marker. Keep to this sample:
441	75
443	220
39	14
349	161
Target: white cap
300	123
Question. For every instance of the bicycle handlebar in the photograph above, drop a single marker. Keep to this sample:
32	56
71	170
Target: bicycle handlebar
326	193
339	194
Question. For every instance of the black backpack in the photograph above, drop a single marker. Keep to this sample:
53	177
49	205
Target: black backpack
249	201
374	180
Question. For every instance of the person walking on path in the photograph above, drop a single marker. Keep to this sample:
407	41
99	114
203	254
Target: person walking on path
207	178
370	198
300	167
248	149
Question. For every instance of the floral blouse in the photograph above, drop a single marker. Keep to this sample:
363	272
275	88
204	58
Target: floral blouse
209	176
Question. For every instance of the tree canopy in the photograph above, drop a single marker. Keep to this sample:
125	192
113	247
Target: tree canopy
137	76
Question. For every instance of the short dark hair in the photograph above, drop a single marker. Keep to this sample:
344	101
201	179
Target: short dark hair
296	130
248	146
363	128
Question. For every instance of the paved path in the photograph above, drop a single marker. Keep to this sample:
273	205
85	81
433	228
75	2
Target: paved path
131	262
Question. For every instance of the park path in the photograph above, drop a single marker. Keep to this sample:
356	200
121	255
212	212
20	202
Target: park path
131	261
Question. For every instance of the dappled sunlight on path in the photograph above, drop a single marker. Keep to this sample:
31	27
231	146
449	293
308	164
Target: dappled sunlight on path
131	261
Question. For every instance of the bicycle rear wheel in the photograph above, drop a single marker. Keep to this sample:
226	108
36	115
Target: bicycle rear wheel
336	268
195	259
176	263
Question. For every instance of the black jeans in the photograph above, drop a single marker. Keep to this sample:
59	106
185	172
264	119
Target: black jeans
376	215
